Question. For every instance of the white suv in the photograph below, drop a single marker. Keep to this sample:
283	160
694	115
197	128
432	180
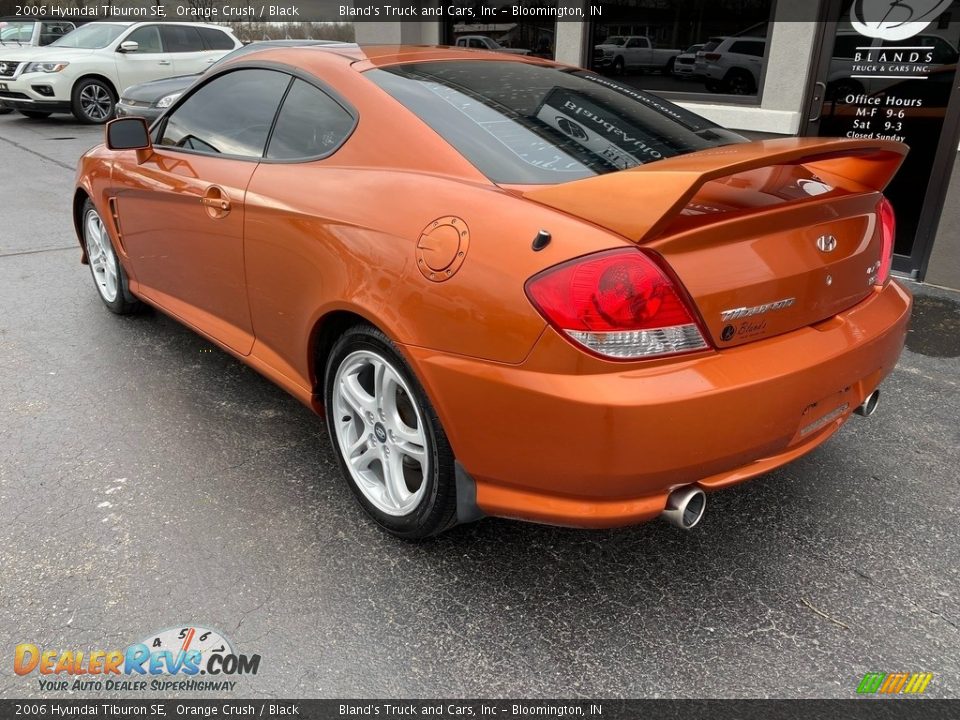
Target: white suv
85	71
731	65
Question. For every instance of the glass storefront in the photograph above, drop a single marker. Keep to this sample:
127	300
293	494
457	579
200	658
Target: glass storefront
702	47
883	84
526	36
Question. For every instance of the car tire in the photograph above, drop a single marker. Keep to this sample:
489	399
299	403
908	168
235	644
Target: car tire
109	277
668	68
35	114
388	440
618	66
93	101
5	111
739	82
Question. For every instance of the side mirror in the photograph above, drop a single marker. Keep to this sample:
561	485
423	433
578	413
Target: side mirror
129	133
129	46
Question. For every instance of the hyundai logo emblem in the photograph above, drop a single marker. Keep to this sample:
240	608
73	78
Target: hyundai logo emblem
827	243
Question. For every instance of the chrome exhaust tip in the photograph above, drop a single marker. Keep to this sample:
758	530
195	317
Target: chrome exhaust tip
869	405
685	507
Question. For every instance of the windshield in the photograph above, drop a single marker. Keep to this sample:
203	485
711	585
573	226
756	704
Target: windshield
615	40
520	123
94	35
16	32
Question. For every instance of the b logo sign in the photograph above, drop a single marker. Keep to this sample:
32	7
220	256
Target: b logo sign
894	19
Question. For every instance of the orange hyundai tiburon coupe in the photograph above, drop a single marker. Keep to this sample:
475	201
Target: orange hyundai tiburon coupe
514	288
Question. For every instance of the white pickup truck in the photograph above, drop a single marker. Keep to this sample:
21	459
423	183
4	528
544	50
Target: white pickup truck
482	42
633	52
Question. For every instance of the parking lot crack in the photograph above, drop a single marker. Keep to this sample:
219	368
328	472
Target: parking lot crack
41	250
258	608
17	145
913	602
824	615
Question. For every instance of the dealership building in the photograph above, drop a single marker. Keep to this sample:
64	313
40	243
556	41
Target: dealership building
772	68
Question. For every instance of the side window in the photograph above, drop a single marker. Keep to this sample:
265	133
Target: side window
475	43
50	31
181	39
215	39
230	115
633	43
747	47
147	37
310	124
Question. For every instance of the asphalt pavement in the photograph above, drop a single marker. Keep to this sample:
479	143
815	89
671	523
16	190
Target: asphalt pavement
148	481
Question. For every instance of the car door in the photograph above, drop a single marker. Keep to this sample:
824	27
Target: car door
185	47
217	43
181	210
632	52
147	62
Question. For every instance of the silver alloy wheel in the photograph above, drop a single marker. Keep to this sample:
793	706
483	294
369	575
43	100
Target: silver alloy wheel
103	262
380	432
95	101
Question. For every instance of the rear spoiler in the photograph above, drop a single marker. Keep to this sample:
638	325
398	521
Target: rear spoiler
639	203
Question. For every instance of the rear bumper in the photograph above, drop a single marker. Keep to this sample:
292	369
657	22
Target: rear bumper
603	444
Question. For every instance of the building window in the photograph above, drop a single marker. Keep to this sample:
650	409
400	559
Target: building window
713	48
502	33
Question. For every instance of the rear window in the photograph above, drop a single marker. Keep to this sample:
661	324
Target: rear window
748	47
215	39
530	124
181	38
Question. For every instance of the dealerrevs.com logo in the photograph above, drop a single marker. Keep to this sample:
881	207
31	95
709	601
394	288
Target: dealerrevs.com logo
167	661
894	19
894	683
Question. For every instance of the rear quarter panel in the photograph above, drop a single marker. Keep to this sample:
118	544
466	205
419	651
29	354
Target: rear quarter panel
322	238
341	233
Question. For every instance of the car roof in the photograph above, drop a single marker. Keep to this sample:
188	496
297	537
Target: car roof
294	42
328	61
128	23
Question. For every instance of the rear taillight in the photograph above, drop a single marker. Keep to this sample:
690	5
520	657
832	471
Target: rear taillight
618	304
712	57
888	233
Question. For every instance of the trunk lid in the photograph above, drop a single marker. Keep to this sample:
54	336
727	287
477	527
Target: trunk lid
766	237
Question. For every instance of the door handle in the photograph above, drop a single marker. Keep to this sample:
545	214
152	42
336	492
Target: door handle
819	94
216	202
163	62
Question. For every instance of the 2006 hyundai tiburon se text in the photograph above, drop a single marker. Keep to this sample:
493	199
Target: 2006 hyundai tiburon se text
514	288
